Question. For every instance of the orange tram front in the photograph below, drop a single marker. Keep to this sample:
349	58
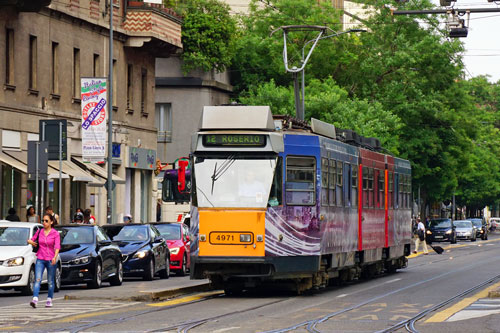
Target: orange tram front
273	201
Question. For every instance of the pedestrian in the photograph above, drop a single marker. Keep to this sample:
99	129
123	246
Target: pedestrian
12	215
158	210
49	243
31	215
88	218
50	211
127	218
420	237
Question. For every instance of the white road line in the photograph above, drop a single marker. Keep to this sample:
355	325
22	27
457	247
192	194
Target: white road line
343	295
391	281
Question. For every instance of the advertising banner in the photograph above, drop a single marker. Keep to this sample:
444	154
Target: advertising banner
94	118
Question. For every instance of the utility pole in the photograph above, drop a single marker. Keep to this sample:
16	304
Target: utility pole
109	218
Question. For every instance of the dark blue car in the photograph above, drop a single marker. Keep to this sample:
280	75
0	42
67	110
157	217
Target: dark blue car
89	256
441	229
145	252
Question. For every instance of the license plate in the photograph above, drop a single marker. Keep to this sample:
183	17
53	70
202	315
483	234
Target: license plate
228	238
438	236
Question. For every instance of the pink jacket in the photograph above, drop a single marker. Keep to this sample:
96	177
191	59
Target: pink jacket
48	244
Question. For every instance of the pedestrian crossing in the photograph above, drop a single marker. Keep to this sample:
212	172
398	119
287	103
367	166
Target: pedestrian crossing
22	314
481	308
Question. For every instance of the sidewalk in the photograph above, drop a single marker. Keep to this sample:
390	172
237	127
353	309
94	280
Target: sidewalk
142	291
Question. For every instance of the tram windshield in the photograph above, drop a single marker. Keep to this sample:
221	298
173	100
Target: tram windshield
234	181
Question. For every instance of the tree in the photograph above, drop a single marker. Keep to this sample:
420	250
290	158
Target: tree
208	33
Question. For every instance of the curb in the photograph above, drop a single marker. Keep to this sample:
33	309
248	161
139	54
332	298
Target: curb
148	296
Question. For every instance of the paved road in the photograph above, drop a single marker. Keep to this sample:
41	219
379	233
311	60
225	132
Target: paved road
365	306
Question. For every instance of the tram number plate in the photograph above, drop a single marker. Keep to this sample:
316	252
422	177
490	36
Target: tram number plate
228	238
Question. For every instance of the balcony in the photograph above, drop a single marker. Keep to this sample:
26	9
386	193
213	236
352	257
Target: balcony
25	6
146	23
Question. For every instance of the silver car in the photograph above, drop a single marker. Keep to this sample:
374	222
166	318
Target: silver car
465	230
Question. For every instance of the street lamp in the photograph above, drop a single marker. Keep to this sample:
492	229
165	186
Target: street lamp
109	211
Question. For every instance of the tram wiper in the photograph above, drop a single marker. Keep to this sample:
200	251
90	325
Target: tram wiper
223	168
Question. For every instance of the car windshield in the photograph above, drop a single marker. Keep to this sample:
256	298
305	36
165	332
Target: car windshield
477	223
440	223
14	236
76	235
128	233
463	224
169	231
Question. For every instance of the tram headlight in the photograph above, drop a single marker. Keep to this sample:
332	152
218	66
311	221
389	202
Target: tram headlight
260	238
245	238
203	238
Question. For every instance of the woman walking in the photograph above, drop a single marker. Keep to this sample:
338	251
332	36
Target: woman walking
49	244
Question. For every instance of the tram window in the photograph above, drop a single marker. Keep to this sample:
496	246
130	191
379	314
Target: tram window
331	183
354	193
365	187
276	194
338	188
381	189
370	187
324	182
390	190
401	190
300	177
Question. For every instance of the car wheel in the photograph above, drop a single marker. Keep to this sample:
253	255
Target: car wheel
97	280
117	279
183	270
28	290
149	272
57	279
165	273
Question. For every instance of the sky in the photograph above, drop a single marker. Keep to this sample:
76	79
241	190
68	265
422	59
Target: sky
482	44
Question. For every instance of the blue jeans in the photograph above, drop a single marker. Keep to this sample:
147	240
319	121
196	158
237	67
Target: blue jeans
40	266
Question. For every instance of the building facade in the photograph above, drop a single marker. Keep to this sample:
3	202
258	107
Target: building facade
46	50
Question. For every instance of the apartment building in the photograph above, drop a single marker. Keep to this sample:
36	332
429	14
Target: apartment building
47	46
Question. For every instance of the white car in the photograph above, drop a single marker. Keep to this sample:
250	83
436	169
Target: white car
17	259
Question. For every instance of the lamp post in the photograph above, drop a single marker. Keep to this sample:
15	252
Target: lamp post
303	110
109	212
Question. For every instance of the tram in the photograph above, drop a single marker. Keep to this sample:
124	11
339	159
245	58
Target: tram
276	200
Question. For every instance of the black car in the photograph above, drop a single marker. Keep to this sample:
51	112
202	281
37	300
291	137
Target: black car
89	256
441	229
145	252
481	227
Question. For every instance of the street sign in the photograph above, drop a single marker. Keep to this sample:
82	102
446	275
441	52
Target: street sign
113	185
43	148
49	131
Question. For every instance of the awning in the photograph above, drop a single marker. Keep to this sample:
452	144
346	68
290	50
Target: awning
9	160
68	168
97	170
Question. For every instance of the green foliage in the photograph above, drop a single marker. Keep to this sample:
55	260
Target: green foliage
207	35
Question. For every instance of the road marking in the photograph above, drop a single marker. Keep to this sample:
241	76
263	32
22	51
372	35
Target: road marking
369	317
226	329
22	314
343	295
447	313
186	299
391	281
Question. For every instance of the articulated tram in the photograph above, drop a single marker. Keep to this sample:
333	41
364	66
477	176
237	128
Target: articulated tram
279	200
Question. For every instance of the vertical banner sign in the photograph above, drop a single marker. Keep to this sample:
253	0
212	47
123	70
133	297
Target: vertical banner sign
94	118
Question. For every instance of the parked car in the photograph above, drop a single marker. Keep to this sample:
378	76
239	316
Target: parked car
441	229
17	259
465	230
481	227
494	223
179	243
145	252
88	256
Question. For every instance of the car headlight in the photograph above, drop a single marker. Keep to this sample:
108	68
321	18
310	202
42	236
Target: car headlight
449	232
80	261
175	250
429	232
140	254
18	261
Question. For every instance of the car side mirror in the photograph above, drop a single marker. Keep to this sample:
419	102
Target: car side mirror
158	239
105	242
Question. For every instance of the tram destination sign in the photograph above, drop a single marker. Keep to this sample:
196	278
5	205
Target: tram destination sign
238	140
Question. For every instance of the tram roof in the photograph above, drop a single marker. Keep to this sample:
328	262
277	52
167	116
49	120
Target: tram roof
237	117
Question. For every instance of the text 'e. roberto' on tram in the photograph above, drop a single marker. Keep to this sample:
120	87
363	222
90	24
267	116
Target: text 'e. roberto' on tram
277	200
